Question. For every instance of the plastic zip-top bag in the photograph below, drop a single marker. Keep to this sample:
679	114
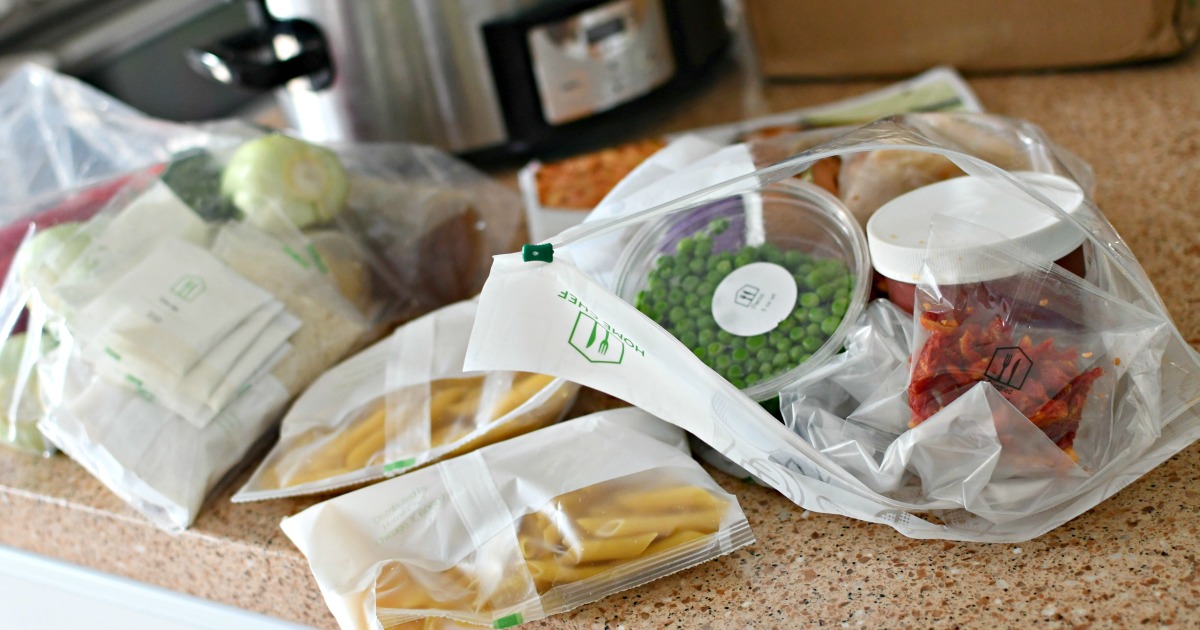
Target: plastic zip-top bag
520	530
159	323
400	404
795	263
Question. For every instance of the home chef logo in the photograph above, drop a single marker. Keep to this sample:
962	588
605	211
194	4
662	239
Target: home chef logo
188	287
746	294
594	339
1009	368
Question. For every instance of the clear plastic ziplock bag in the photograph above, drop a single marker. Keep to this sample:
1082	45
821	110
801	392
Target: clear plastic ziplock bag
520	530
400	404
180	310
1152	413
178	341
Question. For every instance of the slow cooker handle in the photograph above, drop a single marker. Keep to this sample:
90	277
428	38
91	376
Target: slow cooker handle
268	55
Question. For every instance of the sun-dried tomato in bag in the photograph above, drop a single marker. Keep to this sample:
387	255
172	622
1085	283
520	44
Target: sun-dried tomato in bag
973	340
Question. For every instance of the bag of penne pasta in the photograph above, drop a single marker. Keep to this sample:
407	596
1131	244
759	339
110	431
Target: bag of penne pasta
399	404
521	530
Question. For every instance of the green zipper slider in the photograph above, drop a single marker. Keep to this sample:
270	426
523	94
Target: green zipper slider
538	253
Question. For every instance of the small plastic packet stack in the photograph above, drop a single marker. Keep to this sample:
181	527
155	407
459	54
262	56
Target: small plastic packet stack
400	404
520	530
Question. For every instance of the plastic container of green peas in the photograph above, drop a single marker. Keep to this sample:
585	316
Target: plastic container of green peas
761	287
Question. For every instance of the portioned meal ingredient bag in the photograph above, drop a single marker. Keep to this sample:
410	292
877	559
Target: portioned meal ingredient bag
400	404
177	342
519	530
156	324
1016	395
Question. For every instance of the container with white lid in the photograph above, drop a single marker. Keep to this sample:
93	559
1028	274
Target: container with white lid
898	233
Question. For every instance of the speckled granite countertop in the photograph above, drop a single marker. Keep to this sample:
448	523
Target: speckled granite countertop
1133	560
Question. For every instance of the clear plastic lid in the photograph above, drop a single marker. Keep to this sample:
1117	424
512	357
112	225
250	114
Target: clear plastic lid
761	286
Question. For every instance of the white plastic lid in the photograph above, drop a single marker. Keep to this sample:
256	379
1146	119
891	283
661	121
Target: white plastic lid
898	231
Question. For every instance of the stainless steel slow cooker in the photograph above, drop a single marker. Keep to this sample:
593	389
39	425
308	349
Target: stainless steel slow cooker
466	75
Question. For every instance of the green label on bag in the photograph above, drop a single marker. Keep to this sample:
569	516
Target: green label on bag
316	258
287	249
514	619
400	465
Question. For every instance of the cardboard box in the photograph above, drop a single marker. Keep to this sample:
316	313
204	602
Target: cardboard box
815	38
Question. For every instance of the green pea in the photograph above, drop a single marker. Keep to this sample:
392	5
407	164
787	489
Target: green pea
685	246
692	300
675	296
734	371
782	345
696	265
738	383
796	354
781	359
689	283
829	325
685	325
817	314
765	355
742	259
724	336
809	300
813	329
706	336
677	314
800	316
740	354
718	226
701	353
812	343
797	334
815	278
751	379
723	361
825	291
792	259
688	339
724	267
715	348
839	307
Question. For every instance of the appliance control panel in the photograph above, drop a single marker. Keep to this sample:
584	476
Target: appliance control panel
600	58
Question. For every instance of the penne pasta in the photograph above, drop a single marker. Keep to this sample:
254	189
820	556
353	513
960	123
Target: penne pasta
524	386
661	525
674	540
450	405
662	499
615	548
